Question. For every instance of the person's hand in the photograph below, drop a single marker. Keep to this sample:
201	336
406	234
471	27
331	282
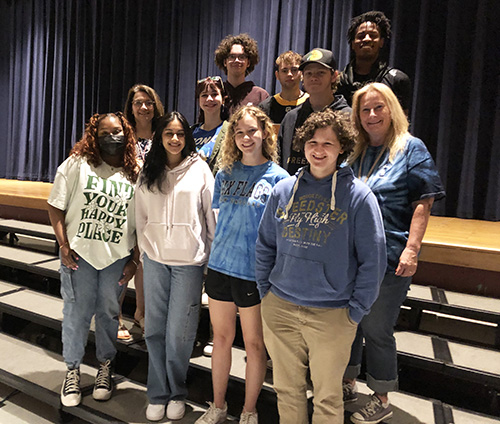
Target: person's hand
128	272
69	257
408	262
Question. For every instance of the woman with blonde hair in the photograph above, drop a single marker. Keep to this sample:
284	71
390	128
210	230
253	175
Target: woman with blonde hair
248	172
401	173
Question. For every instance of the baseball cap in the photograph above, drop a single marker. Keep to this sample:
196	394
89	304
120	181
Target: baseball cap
322	56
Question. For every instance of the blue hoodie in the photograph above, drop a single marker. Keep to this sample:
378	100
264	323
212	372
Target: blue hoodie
321	243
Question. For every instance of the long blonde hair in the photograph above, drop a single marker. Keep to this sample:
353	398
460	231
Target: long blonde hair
397	135
230	152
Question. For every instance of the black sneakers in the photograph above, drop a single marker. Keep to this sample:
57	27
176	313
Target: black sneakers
70	390
103	382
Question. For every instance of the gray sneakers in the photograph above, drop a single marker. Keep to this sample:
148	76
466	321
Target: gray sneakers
249	418
350	392
213	415
374	412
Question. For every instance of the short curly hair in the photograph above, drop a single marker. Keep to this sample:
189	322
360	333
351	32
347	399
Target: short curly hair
88	147
249	46
288	57
230	152
378	18
341	124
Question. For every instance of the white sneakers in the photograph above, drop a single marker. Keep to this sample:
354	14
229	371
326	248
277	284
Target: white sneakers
213	415
175	410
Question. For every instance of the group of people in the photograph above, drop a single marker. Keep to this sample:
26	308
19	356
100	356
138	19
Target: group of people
313	263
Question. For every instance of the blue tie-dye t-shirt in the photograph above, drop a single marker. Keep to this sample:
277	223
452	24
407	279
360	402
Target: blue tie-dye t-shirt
240	197
411	176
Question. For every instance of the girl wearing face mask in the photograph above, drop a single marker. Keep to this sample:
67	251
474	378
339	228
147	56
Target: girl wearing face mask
212	125
92	212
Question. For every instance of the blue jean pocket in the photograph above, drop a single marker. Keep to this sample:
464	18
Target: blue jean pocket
67	290
192	323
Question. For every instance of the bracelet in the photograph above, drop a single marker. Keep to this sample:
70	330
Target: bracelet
135	263
62	245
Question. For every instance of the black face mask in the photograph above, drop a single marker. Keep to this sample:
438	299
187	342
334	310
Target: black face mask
111	144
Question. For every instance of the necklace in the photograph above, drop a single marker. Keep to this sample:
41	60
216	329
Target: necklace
373	166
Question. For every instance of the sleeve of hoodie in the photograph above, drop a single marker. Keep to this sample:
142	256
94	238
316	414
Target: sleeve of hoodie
206	198
265	250
141	214
369	243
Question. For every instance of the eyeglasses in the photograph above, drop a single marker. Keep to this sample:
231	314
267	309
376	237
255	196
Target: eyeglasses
170	134
216	79
147	103
234	57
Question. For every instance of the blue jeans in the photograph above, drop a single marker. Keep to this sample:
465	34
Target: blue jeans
172	296
88	291
377	328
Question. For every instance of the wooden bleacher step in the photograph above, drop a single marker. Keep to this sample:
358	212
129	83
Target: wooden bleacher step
35	262
39	373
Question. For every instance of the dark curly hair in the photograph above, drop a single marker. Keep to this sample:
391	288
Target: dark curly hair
153	95
88	148
249	46
214	83
341	124
154	170
378	18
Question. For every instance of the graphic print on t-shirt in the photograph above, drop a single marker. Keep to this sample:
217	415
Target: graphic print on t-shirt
105	209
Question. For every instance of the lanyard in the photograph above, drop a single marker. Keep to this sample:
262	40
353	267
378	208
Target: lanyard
373	166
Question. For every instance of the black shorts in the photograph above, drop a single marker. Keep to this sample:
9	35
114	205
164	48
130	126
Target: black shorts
225	288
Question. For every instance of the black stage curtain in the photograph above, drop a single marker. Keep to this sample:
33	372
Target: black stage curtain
61	61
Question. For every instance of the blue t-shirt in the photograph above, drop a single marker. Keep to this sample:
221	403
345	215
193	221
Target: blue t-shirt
203	138
240	197
410	177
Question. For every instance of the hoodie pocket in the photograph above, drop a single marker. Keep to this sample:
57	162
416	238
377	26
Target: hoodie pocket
302	278
173	242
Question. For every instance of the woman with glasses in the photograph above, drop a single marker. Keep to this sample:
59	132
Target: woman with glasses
211	128
175	228
143	109
237	56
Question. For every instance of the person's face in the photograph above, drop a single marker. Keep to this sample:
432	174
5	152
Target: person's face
173	138
367	41
322	151
210	100
248	136
142	107
375	117
288	75
237	61
109	125
318	79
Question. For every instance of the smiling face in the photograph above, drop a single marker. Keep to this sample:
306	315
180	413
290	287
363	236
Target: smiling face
142	107
322	151
210	100
237	61
248	136
375	117
318	78
367	41
173	138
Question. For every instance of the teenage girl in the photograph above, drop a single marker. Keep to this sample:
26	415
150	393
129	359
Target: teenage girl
242	186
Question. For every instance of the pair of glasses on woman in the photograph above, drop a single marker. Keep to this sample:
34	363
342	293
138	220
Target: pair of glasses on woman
147	103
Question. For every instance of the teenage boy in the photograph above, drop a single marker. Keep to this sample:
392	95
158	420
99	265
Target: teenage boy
367	35
237	56
287	72
320	74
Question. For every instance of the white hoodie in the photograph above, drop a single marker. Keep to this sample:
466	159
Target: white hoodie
177	227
